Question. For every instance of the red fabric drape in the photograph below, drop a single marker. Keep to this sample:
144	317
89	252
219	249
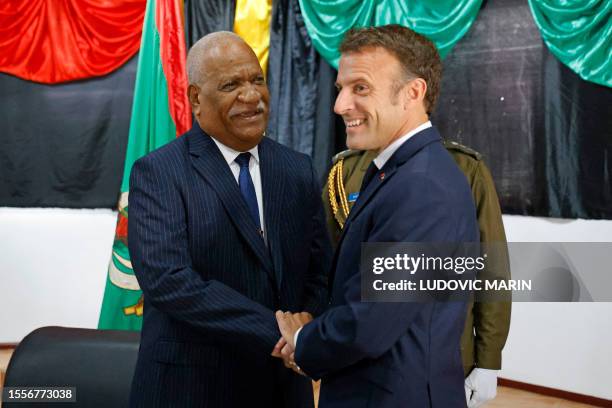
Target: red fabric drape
169	21
53	41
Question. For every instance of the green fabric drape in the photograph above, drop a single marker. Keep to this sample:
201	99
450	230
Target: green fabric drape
579	34
443	21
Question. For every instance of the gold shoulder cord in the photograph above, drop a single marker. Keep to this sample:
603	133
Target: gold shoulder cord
335	184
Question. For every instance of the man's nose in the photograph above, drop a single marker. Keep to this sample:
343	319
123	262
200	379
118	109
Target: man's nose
344	102
249	94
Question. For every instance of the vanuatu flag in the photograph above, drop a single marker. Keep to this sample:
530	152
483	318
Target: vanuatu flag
160	112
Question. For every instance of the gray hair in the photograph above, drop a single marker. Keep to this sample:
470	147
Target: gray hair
197	53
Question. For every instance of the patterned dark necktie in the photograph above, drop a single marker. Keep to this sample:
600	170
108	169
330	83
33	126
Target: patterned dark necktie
247	188
369	175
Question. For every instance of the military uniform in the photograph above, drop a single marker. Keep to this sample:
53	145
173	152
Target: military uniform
487	324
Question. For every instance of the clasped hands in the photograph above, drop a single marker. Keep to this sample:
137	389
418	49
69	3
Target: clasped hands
288	324
480	385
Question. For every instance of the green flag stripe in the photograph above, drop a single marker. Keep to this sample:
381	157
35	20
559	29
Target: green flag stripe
151	125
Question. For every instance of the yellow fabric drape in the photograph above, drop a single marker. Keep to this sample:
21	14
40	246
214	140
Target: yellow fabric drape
252	23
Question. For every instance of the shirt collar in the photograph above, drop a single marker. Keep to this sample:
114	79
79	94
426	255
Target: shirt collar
230	154
386	154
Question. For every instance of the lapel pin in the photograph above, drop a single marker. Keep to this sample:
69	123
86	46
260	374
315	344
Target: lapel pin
382	176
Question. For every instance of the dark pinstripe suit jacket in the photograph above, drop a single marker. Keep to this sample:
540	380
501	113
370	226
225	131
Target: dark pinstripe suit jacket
210	282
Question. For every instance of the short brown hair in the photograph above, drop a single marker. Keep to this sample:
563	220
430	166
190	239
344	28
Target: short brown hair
416	54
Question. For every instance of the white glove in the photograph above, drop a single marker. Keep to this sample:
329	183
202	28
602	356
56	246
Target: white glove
480	387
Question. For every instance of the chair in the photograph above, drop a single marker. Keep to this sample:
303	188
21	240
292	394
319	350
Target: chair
99	363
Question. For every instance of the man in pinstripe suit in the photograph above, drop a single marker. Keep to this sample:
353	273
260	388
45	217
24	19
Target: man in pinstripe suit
225	227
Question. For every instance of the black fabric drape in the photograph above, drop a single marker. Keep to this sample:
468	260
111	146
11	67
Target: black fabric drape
578	133
301	88
545	133
206	16
64	145
491	100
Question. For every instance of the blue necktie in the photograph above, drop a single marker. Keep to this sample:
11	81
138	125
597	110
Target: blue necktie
247	188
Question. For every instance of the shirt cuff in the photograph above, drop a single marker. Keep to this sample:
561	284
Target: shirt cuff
295	338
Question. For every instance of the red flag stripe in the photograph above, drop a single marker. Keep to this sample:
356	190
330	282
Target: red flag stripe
169	22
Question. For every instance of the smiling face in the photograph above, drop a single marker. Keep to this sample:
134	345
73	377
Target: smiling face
374	99
231	101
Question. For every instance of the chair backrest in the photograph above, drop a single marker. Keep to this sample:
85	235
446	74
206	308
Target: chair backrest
99	363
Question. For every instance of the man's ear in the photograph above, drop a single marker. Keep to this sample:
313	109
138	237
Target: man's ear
415	92
192	94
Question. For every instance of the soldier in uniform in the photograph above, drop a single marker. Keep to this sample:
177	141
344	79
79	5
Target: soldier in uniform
487	324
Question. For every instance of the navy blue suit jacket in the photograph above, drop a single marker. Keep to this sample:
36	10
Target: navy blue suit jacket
394	354
211	284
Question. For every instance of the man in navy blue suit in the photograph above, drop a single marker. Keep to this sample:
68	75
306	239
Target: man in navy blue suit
377	354
226	226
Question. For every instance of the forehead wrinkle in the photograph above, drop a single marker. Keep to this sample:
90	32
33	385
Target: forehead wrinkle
239	72
357	70
353	78
356	77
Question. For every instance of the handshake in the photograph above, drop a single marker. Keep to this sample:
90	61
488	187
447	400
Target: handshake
288	324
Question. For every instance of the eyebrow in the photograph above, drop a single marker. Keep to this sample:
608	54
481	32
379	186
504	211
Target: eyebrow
352	81
229	78
238	77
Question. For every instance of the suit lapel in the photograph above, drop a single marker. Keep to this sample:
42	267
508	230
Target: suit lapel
401	156
371	188
362	200
210	164
272	186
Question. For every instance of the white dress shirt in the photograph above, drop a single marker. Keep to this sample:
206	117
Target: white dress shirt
379	162
230	155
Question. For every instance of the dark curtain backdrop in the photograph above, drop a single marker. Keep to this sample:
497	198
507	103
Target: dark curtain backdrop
64	145
492	101
545	133
301	88
203	17
578	133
